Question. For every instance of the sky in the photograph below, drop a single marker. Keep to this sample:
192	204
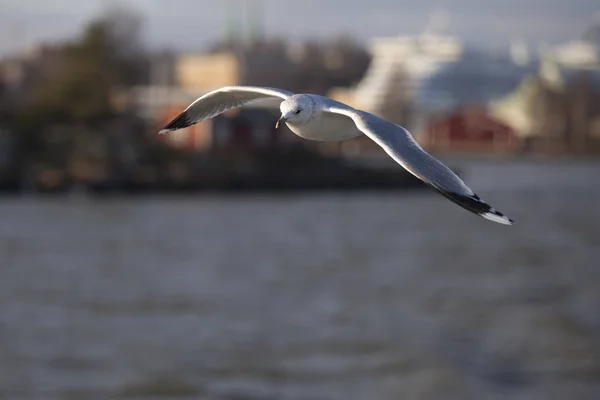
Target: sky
193	24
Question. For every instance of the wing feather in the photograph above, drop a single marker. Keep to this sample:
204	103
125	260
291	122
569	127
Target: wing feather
218	101
399	144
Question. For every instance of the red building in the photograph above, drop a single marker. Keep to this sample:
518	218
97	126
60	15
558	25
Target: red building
468	129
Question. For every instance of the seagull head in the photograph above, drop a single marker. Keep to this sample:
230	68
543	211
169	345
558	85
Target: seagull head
296	110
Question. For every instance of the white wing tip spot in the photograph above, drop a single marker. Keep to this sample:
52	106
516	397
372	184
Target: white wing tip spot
495	216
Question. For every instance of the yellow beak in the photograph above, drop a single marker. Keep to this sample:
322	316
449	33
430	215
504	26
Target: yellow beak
279	121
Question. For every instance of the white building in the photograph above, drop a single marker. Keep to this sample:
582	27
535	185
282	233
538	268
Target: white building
433	73
417	57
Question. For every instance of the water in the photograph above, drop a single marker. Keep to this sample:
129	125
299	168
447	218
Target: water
329	296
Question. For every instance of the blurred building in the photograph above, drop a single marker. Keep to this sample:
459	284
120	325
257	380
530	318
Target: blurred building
583	53
470	129
576	54
414	80
176	80
400	65
557	105
432	83
207	71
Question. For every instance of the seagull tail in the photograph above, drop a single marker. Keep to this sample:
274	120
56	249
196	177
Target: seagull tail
477	206
183	120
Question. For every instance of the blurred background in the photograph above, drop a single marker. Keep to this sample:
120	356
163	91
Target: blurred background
230	261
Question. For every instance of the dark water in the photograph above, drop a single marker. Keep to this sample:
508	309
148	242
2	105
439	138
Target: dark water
364	296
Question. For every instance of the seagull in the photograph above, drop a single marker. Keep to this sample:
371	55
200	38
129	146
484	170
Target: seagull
319	118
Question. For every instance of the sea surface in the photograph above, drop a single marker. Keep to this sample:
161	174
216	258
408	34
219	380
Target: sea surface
370	296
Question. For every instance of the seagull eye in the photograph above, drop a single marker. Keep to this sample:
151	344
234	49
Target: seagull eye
297	112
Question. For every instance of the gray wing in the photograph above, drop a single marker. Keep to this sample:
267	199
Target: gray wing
399	144
218	101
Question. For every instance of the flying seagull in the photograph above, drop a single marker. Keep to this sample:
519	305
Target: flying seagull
320	118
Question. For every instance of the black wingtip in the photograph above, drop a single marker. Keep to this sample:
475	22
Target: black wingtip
183	120
474	204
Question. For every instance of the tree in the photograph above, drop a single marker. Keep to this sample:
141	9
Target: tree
108	54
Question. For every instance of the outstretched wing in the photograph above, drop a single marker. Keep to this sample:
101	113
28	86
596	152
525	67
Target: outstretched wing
399	144
218	101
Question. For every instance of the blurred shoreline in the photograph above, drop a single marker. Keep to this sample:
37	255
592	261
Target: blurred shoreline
295	170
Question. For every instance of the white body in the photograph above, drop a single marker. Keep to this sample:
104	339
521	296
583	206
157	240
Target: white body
324	127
